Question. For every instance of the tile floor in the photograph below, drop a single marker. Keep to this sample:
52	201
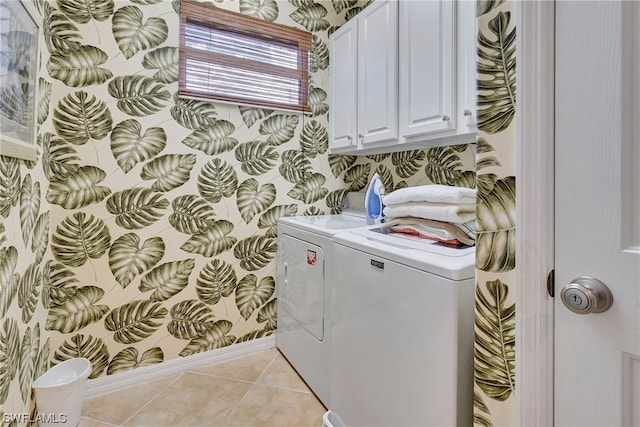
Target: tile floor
259	390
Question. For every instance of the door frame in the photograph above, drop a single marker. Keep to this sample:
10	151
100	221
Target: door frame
535	134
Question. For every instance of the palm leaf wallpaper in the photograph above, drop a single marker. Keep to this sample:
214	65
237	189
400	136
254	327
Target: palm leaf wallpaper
495	309
146	231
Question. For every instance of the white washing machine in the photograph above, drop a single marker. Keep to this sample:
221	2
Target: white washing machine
402	332
304	274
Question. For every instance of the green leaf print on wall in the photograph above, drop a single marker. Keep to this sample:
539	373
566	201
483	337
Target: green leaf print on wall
40	237
60	159
314	140
137	208
168	279
217	180
79	67
251	115
169	171
28	360
340	163
481	411
319	58
407	163
83	11
495	341
311	16
255	252
127	359
79	238
253	199
496	227
215	337
445	167
252	294
335	200
214	139
60	33
216	280
130	146
132	35
310	190
29	292
8	291
263	9
9	184
78	190
280	128
135	321
92	348
357	176
9	355
268	314
190	319
128	259
79	118
138	95
165	60
497	75
269	219
256	157
192	113
59	281
295	166
191	214
44	95
211	241
77	310
29	206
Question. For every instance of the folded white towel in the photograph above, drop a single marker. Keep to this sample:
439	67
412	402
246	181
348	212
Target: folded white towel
433	193
438	212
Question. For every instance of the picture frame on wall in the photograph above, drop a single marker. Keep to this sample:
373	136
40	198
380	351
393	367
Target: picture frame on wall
19	66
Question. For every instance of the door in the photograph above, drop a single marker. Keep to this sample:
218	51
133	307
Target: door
377	73
597	356
343	115
427	66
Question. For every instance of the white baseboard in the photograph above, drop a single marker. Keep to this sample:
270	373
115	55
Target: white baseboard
180	365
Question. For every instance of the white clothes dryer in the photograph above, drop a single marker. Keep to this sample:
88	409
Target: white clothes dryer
402	331
304	275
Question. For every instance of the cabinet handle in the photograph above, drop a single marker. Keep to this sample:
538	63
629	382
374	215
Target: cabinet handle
361	136
445	118
349	138
467	112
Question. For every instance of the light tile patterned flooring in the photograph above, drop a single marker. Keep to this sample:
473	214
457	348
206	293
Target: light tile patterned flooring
259	390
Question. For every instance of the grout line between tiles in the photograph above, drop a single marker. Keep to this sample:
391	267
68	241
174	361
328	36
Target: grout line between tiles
235	408
152	399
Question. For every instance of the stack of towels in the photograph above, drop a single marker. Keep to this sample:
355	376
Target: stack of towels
437	212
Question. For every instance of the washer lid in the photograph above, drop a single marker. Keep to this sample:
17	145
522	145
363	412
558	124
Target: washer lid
423	254
325	225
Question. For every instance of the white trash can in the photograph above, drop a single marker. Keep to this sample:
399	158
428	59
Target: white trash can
60	391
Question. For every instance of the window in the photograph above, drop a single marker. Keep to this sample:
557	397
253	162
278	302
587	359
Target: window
231	57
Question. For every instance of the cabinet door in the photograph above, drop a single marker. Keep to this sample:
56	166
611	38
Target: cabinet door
466	23
377	73
427	67
343	87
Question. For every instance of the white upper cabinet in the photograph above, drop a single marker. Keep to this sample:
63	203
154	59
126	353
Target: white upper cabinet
408	66
364	79
427	67
377	73
343	113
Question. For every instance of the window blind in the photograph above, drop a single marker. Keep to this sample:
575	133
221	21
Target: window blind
233	57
